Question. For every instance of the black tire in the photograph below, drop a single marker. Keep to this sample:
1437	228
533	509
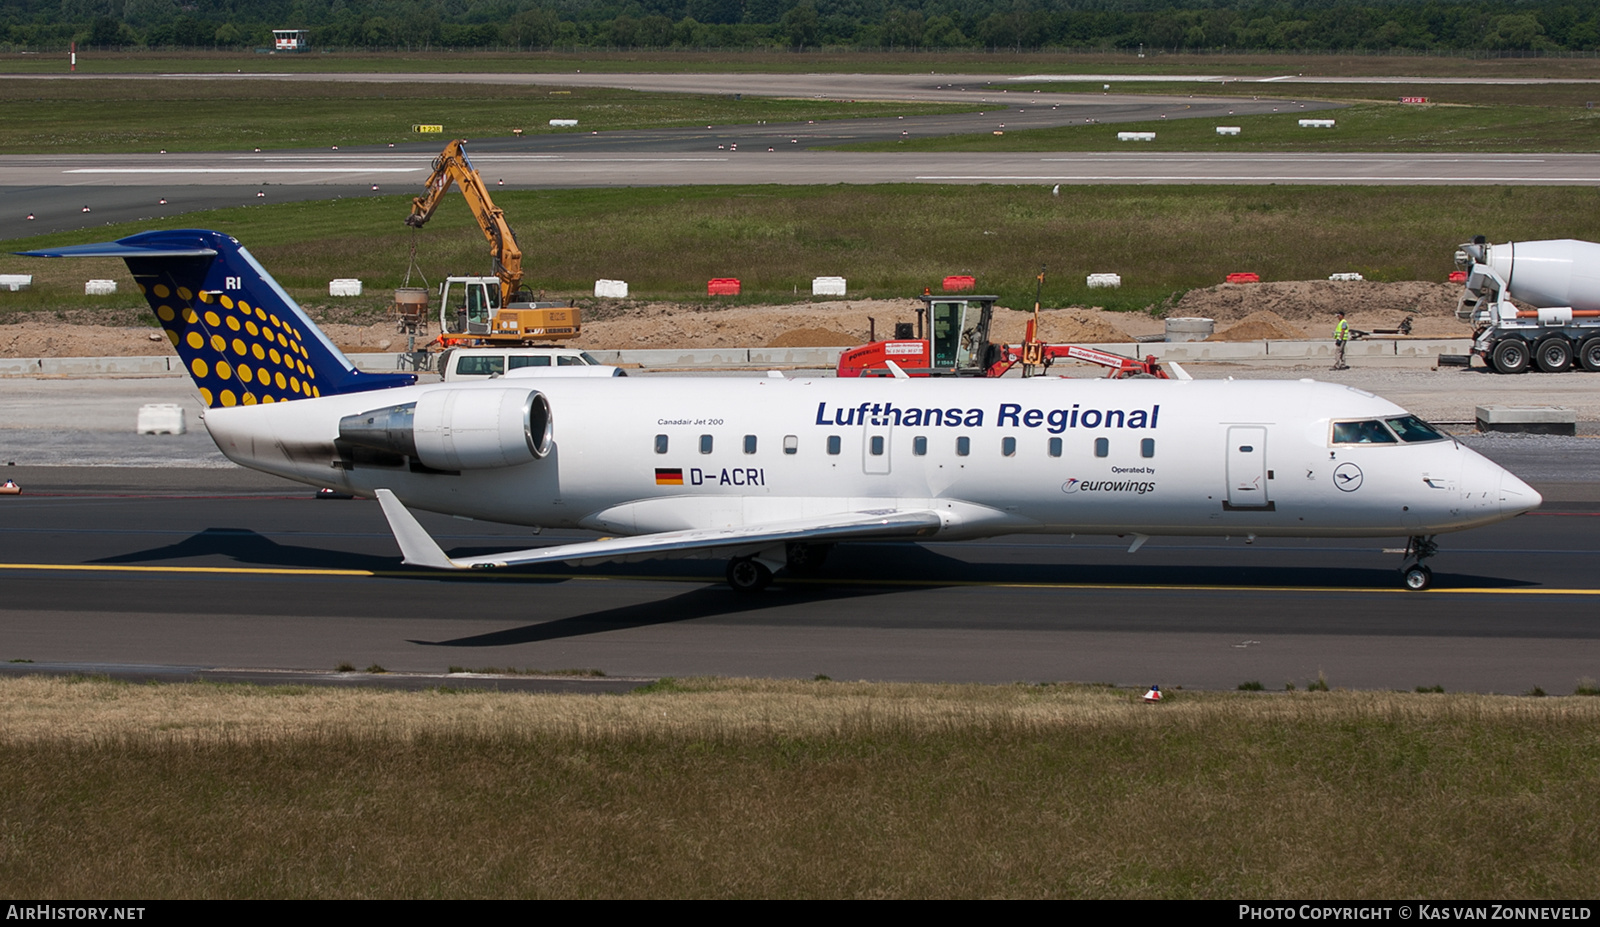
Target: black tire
1418	578
748	576
1553	354
802	559
1510	356
1589	354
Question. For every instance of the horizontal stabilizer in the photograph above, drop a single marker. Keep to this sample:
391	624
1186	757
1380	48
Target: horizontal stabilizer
419	549
122	249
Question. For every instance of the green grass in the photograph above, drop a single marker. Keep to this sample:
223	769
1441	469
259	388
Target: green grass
1360	127
146	116
728	788
809	61
887	240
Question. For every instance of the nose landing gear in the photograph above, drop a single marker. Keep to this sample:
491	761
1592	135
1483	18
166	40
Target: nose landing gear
1417	576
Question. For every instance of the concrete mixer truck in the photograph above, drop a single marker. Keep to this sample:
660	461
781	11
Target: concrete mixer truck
1559	279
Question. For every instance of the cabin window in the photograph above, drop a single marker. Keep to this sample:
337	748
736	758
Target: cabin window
791	444
919	446
749	444
1102	447
705	444
1412	429
481	365
1008	447
661	444
963	446
567	360
833	444
1055	447
1147	447
1368	432
876	446
518	361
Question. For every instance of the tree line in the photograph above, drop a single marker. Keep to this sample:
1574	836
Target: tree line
1243	25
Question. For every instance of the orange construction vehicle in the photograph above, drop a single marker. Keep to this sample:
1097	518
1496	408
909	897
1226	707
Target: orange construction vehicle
489	309
960	347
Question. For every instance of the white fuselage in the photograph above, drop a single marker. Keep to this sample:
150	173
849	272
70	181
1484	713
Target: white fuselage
1151	457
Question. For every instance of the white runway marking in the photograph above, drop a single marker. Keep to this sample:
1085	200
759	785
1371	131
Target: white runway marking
244	170
1258	178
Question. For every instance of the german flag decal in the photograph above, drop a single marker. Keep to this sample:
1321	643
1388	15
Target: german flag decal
669	477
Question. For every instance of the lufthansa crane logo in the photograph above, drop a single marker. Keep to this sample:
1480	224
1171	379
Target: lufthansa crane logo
1347	476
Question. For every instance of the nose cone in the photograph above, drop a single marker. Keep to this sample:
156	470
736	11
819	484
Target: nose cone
1516	496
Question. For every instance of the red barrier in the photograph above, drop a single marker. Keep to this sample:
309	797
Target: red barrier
956	283
722	286
1458	276
1244	278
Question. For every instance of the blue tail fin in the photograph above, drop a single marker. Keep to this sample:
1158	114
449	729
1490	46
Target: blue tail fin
242	337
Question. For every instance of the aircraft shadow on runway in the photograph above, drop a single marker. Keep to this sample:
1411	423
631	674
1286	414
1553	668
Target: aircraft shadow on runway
854	565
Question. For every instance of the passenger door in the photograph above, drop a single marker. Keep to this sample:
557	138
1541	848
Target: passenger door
1247	467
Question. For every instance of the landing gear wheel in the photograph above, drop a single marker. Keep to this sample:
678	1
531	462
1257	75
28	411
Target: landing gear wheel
802	559
1510	356
1554	354
1417	576
1589	354
747	575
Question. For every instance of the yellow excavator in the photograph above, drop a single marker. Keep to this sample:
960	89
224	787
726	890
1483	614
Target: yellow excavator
493	309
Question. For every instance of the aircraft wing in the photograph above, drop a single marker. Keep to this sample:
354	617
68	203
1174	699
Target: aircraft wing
420	549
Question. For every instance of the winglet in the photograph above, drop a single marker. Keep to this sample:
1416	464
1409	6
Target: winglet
895	371
416	545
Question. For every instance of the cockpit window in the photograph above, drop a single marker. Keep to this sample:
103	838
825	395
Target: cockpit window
1412	429
1367	432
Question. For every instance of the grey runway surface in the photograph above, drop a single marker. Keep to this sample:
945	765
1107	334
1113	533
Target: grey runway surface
220	568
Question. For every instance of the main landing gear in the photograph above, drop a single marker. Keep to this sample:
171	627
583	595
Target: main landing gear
1417	576
750	574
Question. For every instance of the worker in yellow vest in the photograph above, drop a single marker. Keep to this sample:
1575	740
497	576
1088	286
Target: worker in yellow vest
1341	334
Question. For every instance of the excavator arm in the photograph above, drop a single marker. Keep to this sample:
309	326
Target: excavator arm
453	167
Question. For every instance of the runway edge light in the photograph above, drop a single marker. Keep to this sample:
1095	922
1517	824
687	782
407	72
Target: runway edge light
1154	695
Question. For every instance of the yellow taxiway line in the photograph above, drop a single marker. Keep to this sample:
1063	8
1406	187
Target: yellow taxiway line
914	583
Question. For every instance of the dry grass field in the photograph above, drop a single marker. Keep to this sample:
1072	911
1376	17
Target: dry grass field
737	788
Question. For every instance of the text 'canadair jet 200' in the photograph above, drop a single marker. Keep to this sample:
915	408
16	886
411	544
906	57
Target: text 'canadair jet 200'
768	472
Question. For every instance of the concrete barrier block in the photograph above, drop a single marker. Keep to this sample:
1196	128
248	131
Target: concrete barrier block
16	282
1316	123
344	286
1097	281
611	289
1432	347
1136	136
1537	420
827	286
796	357
1227	130
1345	278
99	287
563	123
160	418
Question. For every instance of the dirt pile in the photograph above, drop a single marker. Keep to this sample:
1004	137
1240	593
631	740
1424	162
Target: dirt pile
810	338
1306	307
1313	304
1264	325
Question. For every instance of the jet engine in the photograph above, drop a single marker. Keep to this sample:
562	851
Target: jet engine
458	429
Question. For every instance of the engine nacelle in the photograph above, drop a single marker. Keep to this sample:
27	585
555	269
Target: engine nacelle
459	429
1561	272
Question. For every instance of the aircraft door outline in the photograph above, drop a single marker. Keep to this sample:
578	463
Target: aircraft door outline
875	446
1247	467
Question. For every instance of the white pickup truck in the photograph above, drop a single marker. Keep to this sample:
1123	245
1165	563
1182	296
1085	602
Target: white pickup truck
484	363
